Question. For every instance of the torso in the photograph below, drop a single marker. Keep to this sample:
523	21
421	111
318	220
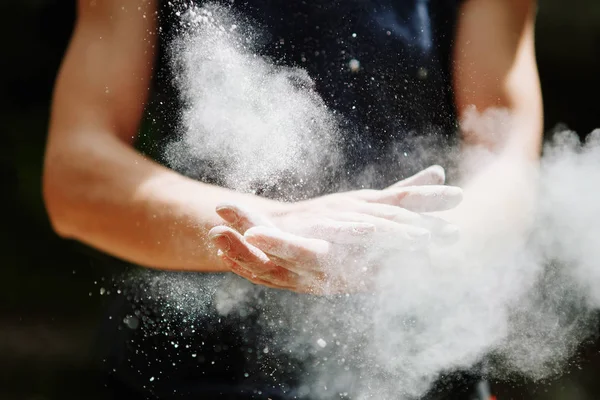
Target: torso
401	90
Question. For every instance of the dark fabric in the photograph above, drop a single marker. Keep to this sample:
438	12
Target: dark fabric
401	92
151	345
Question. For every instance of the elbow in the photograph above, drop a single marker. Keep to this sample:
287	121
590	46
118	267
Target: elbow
57	212
58	203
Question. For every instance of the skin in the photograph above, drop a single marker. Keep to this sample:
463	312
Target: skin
499	188
99	190
498	164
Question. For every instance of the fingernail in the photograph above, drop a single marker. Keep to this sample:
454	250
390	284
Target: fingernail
437	169
227	214
222	242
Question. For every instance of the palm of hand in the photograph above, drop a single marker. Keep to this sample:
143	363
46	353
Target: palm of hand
325	245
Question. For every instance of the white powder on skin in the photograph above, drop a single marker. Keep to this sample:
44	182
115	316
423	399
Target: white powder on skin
529	309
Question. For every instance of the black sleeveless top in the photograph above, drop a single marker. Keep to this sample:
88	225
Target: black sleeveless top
383	69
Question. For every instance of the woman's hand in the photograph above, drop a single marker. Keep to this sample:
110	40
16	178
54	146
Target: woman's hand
335	243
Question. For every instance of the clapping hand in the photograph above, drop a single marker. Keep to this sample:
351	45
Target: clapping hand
335	243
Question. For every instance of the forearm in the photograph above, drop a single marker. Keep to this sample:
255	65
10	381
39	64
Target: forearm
503	86
105	194
500	197
498	208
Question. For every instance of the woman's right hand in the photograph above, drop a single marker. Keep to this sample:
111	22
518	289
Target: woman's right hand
336	243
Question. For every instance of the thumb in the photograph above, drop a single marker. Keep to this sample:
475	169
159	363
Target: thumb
433	175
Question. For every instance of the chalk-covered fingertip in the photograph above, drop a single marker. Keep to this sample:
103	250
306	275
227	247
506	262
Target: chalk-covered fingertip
437	174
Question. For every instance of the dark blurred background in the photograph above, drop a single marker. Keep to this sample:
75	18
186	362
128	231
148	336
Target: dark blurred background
50	298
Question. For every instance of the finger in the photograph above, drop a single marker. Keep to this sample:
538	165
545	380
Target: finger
301	253
276	277
441	230
296	283
430	198
234	246
241	218
339	232
289	265
434	175
250	276
417	198
389	231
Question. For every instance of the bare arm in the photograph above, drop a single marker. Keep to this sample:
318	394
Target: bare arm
102	192
495	68
97	188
